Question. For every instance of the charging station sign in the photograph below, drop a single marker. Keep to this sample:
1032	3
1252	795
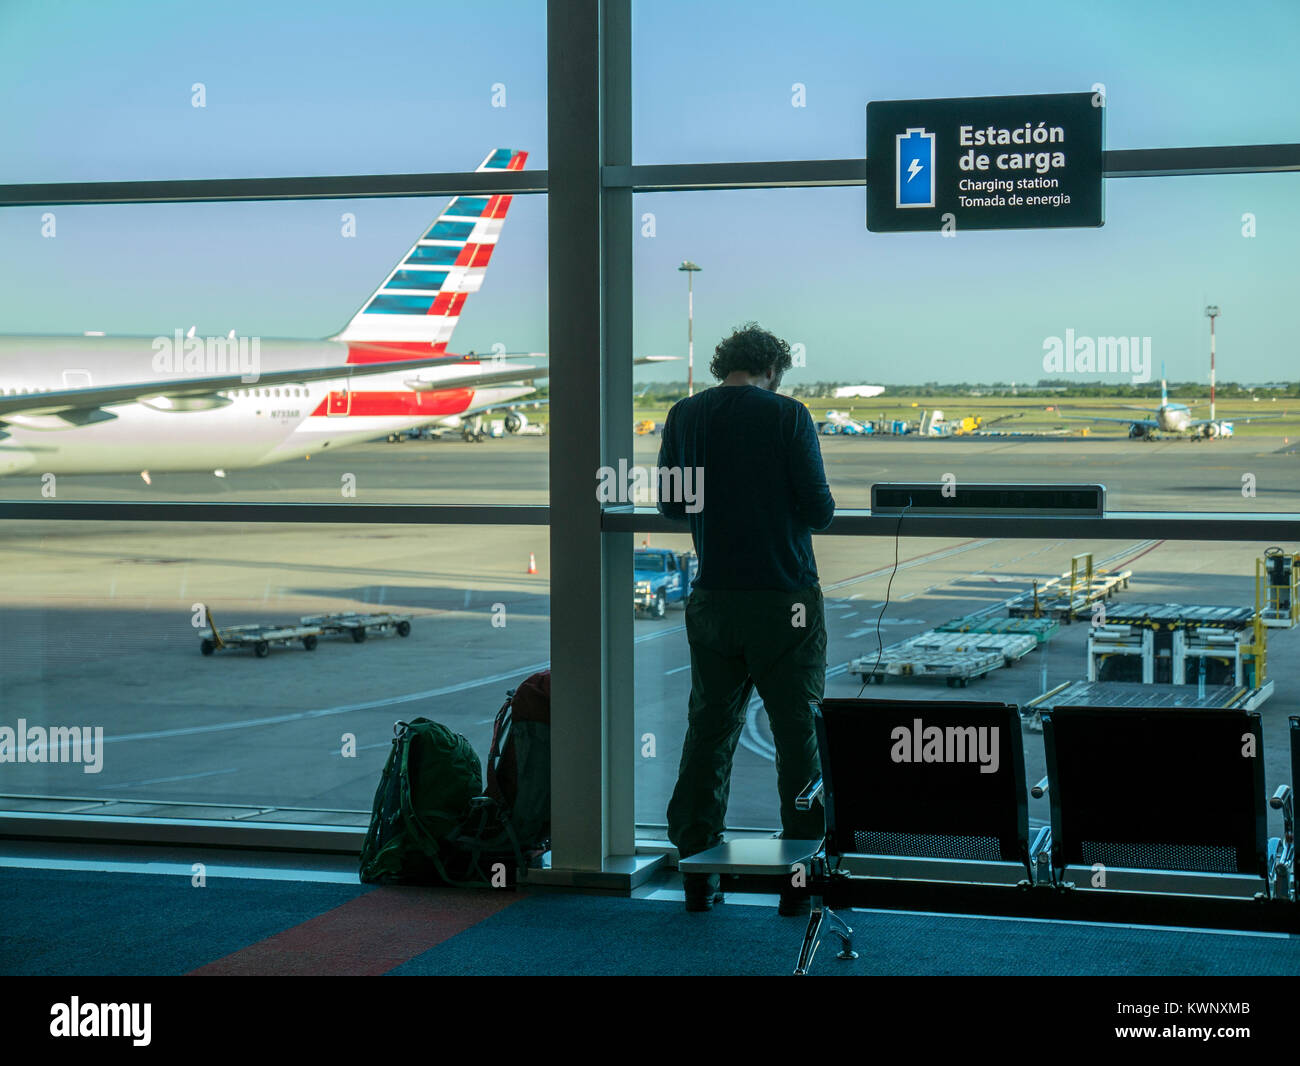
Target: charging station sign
993	162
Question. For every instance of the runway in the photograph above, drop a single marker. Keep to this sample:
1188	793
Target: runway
96	621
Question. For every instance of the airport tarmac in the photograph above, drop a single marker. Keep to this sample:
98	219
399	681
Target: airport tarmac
96	622
1165	475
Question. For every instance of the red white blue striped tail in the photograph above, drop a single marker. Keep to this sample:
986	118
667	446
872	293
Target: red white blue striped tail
415	310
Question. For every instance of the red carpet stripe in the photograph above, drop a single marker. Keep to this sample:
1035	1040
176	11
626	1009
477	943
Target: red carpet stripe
366	936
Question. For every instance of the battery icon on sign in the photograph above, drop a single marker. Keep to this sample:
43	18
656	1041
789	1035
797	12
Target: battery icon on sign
914	173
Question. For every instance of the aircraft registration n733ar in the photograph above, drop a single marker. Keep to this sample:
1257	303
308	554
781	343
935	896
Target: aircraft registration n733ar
102	405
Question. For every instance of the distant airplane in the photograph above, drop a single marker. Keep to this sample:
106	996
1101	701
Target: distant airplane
1171	418
845	392
103	405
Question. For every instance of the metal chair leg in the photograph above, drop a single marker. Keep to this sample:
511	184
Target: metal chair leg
811	938
846	937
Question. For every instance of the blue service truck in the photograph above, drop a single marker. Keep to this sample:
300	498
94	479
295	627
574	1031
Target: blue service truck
661	577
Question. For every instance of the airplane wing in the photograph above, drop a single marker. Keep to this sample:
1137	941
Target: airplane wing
509	405
510	374
1150	423
74	405
1233	419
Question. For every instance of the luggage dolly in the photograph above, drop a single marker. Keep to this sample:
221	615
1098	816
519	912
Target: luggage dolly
257	636
359	624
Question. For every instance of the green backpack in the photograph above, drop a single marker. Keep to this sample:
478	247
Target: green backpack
425	795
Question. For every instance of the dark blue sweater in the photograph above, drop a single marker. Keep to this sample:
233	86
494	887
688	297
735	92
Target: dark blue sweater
765	489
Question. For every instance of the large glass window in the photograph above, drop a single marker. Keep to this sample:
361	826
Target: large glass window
149	91
101	619
149	299
104	627
930	358
923	357
735	82
964	609
123	326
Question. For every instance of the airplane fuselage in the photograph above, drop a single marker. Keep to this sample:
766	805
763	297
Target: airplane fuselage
247	426
1173	417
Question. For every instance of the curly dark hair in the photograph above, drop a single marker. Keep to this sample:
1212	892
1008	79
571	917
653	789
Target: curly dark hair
751	349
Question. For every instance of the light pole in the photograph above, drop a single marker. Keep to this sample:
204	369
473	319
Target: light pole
1212	312
690	269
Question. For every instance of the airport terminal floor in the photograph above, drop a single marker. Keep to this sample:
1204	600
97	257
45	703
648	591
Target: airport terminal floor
139	919
611	488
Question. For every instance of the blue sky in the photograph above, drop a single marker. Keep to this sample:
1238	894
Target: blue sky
104	92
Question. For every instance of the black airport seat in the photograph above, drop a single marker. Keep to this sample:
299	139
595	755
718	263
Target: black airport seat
929	790
1158	817
1157	800
925	788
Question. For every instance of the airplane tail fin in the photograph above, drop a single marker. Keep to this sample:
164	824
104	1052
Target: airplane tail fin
1164	390
415	310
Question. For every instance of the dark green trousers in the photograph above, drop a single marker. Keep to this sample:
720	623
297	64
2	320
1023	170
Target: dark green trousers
742	641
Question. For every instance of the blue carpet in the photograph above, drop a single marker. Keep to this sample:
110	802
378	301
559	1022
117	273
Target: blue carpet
75	923
564	934
82	923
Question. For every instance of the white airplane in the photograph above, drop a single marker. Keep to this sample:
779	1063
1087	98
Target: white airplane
845	392
1171	418
102	405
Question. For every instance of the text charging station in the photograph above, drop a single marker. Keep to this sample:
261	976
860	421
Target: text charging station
980	163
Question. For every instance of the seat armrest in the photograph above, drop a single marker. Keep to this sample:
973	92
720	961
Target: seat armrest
1040	858
1284	801
1281	859
1042	843
804	801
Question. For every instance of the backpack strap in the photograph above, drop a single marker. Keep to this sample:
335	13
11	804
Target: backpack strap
500	725
500	731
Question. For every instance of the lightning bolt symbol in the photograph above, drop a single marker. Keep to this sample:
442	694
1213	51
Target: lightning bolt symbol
913	169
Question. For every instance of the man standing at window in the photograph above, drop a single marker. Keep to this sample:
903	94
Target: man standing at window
755	618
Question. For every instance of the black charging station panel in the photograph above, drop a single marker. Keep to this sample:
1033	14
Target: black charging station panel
984	498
